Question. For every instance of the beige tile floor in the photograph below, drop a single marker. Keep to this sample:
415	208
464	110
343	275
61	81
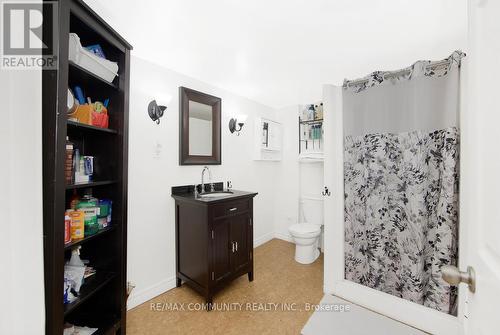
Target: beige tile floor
278	279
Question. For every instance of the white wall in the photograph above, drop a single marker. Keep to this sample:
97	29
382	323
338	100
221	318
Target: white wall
287	182
296	181
21	229
154	169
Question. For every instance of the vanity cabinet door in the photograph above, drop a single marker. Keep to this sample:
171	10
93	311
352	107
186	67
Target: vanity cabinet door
239	228
221	250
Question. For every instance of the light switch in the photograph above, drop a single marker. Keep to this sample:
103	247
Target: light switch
157	150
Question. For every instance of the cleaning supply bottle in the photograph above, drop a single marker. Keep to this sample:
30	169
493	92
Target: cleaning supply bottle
75	259
89	205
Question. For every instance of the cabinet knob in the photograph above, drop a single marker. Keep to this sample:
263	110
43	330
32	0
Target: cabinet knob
233	209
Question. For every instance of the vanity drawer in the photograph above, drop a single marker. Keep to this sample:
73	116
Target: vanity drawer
230	208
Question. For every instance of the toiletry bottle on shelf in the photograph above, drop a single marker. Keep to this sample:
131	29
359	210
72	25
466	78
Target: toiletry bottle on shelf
67	227
75	198
76	165
311	112
305	113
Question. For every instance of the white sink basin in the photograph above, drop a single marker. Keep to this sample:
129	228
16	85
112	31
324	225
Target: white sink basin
215	194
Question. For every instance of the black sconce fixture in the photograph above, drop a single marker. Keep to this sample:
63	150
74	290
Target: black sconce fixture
155	111
237	123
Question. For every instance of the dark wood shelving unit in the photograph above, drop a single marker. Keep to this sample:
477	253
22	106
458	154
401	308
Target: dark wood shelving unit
88	77
91	286
91	184
83	126
102	298
81	241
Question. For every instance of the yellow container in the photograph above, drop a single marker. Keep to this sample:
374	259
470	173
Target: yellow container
82	114
77	224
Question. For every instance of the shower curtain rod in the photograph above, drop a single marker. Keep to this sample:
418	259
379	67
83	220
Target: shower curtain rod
392	74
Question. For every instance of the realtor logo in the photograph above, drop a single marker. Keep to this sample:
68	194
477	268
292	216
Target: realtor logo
28	33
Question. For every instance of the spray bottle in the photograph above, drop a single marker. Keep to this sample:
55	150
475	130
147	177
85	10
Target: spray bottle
75	257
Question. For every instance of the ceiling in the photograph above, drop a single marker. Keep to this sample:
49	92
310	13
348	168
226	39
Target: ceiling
280	52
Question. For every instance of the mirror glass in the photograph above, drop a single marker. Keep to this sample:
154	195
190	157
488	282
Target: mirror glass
200	129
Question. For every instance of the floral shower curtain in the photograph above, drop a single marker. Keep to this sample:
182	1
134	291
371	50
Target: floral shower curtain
401	173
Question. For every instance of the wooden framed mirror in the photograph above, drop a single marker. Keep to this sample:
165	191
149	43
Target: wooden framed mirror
199	128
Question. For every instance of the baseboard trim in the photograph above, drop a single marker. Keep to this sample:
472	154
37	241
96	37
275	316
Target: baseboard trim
149	293
284	237
140	297
263	239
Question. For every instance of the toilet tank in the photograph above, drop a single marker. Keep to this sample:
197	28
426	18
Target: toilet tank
311	210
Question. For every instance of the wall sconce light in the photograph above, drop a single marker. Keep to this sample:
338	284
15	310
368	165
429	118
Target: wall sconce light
236	124
155	111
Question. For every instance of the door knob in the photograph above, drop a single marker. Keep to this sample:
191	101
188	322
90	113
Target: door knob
453	276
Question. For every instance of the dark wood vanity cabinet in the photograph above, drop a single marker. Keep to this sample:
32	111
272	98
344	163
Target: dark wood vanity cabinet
214	241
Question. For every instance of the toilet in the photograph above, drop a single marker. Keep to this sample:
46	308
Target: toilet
306	234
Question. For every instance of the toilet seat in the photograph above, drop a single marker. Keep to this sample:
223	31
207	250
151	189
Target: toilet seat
305	230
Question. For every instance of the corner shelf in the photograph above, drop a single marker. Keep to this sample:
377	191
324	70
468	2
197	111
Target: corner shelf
91	286
83	126
306	138
311	121
101	232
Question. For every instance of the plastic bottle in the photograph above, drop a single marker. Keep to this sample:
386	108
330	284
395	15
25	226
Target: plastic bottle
311	112
76	164
67	227
75	257
75	198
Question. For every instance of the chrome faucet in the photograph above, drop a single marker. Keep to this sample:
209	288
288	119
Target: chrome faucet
209	179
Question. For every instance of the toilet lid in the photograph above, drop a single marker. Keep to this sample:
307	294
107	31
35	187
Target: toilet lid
305	228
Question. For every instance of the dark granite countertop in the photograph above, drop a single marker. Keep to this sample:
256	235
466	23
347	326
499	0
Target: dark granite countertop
186	193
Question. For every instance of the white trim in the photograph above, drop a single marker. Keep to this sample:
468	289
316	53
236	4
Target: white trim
284	237
399	309
139	297
263	239
468	180
334	180
322	321
309	197
150	292
413	314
